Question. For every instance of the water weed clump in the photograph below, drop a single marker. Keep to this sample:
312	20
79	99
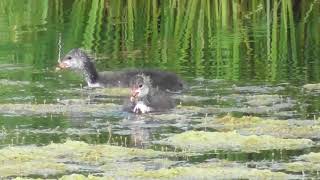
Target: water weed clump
74	156
217	170
201	141
251	125
38	109
305	163
315	88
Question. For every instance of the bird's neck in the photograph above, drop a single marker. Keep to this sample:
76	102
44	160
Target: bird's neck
90	73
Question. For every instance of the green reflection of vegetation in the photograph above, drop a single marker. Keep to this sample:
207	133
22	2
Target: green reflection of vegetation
274	40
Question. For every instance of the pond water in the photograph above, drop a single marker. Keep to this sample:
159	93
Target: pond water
237	59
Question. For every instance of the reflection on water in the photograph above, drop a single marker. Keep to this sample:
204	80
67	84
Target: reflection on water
238	58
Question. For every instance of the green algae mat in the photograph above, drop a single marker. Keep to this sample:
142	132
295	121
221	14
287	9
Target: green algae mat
200	141
305	163
251	125
106	161
38	109
202	171
74	156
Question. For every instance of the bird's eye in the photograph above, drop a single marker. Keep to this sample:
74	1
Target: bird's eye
69	57
140	86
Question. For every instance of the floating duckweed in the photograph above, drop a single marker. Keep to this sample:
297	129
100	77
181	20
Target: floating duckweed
200	141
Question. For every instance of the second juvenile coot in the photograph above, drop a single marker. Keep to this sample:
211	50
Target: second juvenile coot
145	98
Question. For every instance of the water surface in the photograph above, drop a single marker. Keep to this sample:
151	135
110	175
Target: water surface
237	59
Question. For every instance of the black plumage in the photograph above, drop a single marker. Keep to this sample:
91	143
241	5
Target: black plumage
79	60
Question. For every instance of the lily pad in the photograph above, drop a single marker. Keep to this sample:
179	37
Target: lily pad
200	141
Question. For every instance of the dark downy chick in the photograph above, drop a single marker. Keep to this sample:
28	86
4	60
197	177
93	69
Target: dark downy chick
145	98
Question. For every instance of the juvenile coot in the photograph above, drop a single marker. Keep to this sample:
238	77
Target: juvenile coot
145	98
79	60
